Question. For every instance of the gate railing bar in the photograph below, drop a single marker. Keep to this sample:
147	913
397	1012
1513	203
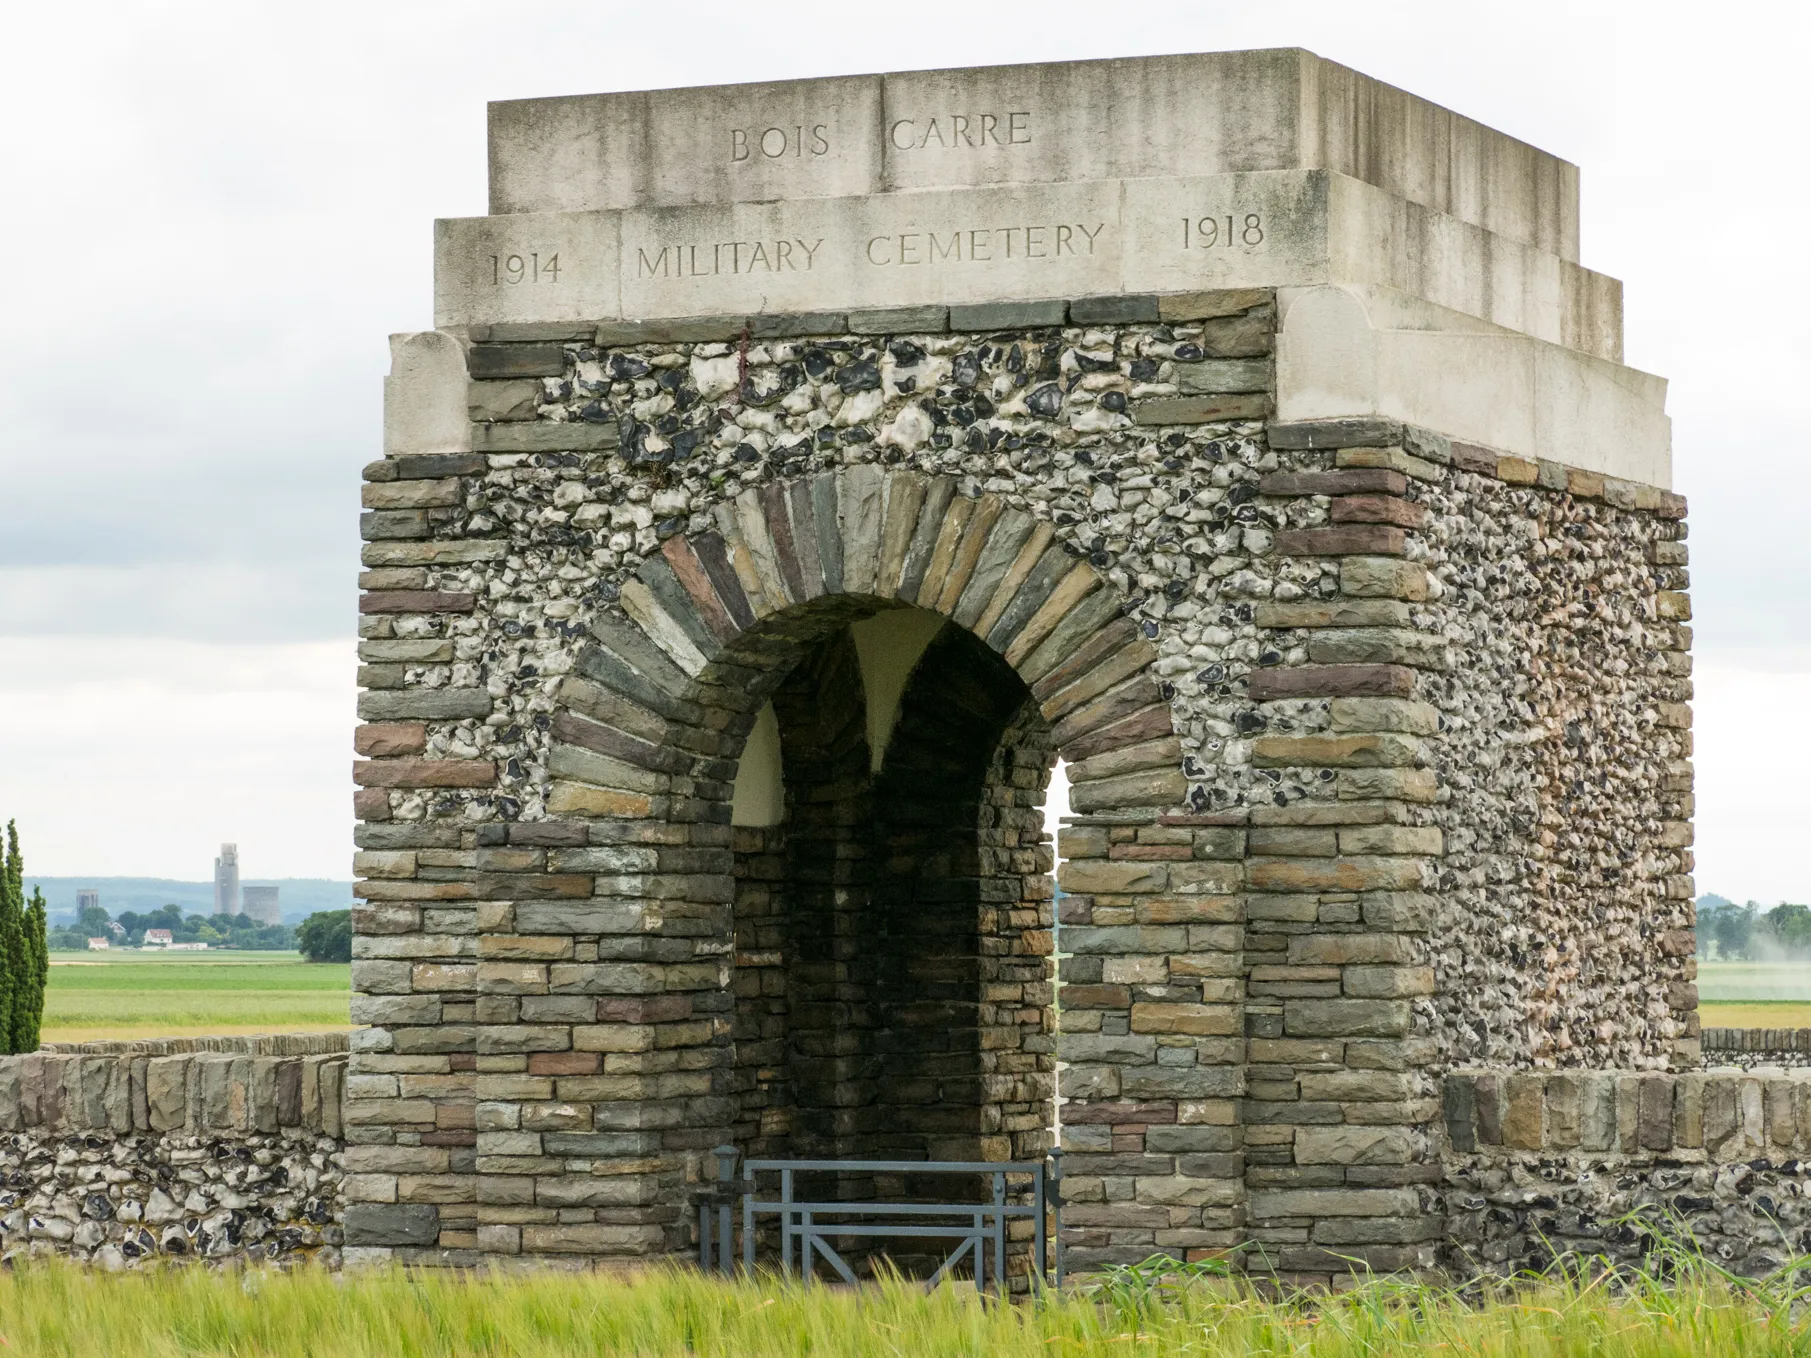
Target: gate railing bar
805	1236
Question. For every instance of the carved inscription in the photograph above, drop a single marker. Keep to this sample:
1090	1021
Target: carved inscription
983	245
508	270
727	257
955	131
1207	233
778	143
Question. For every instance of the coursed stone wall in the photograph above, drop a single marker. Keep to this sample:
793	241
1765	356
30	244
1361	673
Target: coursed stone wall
1540	1163
211	1148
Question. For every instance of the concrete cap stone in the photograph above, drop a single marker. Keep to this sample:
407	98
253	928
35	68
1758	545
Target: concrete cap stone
1191	114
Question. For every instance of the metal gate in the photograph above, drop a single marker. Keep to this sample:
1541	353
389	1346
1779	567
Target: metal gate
809	1230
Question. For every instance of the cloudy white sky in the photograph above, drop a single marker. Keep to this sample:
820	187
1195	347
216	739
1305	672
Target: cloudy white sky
214	213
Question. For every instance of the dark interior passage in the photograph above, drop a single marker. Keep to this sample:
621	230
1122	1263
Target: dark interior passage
893	930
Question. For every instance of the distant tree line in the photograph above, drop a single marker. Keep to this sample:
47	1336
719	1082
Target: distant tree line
217	931
1729	932
24	953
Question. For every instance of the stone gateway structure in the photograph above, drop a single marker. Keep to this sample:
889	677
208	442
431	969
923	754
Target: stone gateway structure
797	472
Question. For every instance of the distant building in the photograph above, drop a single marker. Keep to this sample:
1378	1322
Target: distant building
226	880
98	945
84	899
188	947
157	938
260	902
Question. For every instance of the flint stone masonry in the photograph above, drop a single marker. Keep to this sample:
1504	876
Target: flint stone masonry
208	1148
721	628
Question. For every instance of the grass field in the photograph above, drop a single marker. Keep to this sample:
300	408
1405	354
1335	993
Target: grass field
55	1311
1754	994
126	995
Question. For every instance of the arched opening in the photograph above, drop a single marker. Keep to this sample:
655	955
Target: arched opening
892	973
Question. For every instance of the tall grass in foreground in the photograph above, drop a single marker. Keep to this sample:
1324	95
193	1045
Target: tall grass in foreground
49	1309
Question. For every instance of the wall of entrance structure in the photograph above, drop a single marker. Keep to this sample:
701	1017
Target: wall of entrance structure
718	644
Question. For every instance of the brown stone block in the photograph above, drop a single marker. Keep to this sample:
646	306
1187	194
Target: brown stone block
1225	305
1093	877
1517	471
1584	485
1396	459
1345	1018
1357	481
1334	613
1332	681
1525	1112
424	773
581	799
1152	853
387	739
1373	949
1068	665
1188	910
1334	874
1201	409
1378	509
411	494
415	601
1408	785
1194	1020
371	804
416	891
525	947
1379	749
1357	539
1388	982
1142	725
1096	996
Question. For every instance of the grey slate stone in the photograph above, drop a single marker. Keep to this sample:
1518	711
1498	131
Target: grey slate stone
375	1223
991	316
913	320
798	323
1365	432
492	362
1113	309
683	330
442	704
572	436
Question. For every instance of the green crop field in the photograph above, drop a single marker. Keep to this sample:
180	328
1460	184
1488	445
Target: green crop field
1754	994
133	994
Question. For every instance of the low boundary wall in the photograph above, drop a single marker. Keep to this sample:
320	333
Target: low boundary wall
1539	1163
1751	1047
201	1147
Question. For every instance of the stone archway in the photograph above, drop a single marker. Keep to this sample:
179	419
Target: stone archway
872	973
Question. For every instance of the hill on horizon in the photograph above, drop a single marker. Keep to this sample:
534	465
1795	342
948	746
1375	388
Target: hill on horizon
301	896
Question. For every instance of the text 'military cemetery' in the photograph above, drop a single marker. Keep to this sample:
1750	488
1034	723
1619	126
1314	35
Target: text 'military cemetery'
798	471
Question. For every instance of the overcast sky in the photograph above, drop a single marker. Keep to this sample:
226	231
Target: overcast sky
215	213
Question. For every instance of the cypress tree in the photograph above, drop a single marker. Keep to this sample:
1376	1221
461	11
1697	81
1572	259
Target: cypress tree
13	974
37	944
